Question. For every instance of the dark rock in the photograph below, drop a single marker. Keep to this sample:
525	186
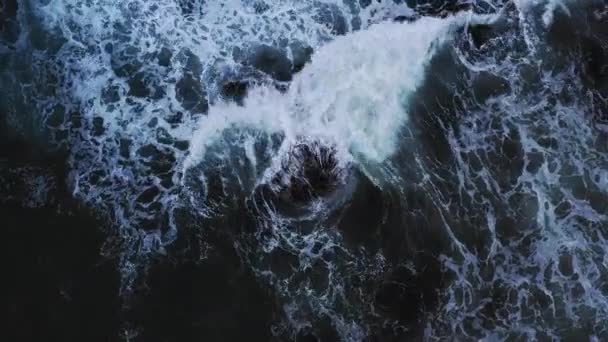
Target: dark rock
312	172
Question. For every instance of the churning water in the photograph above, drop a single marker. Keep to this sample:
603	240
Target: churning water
379	170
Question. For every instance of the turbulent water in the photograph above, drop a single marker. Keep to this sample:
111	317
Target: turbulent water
331	170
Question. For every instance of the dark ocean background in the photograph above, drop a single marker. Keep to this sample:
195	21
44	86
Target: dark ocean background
189	170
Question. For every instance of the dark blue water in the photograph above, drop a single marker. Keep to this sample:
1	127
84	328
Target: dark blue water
304	170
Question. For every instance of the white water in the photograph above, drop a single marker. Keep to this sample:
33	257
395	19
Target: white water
352	95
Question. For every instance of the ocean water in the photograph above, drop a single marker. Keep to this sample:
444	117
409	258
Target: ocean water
312	170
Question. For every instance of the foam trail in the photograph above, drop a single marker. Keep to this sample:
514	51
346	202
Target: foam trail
355	102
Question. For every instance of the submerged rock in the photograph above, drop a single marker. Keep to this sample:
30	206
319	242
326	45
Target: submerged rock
310	171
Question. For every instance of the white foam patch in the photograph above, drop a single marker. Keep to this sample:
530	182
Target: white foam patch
352	95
